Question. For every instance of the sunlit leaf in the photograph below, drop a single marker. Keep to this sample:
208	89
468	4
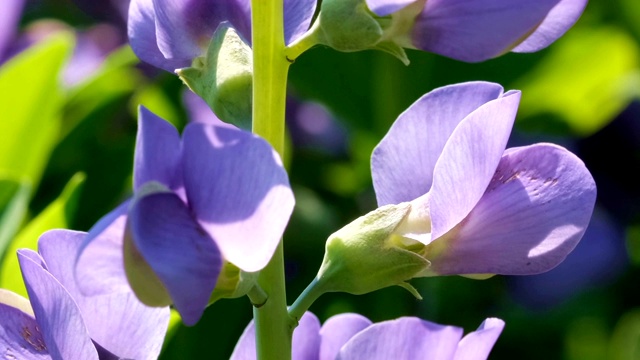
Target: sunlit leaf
14	198
30	100
58	214
585	81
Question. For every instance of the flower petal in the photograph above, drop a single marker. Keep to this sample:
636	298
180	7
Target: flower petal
558	21
402	164
469	160
99	263
337	331
387	7
534	212
238	190
157	155
179	251
478	344
471	30
142	36
9	20
118	322
20	336
184	28
61	324
403	338
297	18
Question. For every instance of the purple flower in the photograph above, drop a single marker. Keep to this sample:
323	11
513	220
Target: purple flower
354	337
216	194
62	323
477	208
477	30
9	20
169	34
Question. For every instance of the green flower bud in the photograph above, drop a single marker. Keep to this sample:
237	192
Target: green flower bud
232	283
366	255
223	77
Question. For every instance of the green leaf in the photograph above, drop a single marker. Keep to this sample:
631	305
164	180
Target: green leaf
30	102
14	199
582	90
58	214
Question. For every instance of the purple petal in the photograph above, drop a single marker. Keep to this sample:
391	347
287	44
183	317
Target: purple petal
58	317
402	164
306	338
184	27
337	331
558	21
238	190
199	111
305	342
118	322
387	7
99	263
179	251
404	338
469	160
297	18
478	344
20	336
533	213
9	20
471	30
142	36
157	155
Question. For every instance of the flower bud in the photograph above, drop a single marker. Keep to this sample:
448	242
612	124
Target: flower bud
366	255
223	77
232	283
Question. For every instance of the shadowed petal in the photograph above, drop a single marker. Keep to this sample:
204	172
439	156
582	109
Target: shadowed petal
238	190
9	20
469	160
58	317
119	322
179	251
560	19
387	7
20	337
533	213
157	155
402	164
99	263
404	338
471	30
478	344
142	36
297	18
337	330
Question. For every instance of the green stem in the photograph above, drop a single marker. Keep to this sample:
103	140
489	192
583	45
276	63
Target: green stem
273	325
304	43
304	301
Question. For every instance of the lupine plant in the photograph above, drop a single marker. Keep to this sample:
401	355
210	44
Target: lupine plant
209	207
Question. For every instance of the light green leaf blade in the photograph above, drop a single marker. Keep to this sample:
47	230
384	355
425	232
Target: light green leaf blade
31	99
14	199
57	215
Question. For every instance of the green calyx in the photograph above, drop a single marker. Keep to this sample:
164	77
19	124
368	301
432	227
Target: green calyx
232	283
223	77
364	256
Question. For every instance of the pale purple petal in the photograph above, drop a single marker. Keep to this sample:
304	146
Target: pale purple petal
9	20
402	164
157	154
478	344
305	342
199	111
99	263
404	338
179	251
142	36
58	317
337	331
387	7
118	322
473	30
534	212
558	21
20	336
469	160
238	190
184	28
297	18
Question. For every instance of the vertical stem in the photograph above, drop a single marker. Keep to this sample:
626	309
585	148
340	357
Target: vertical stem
273	325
